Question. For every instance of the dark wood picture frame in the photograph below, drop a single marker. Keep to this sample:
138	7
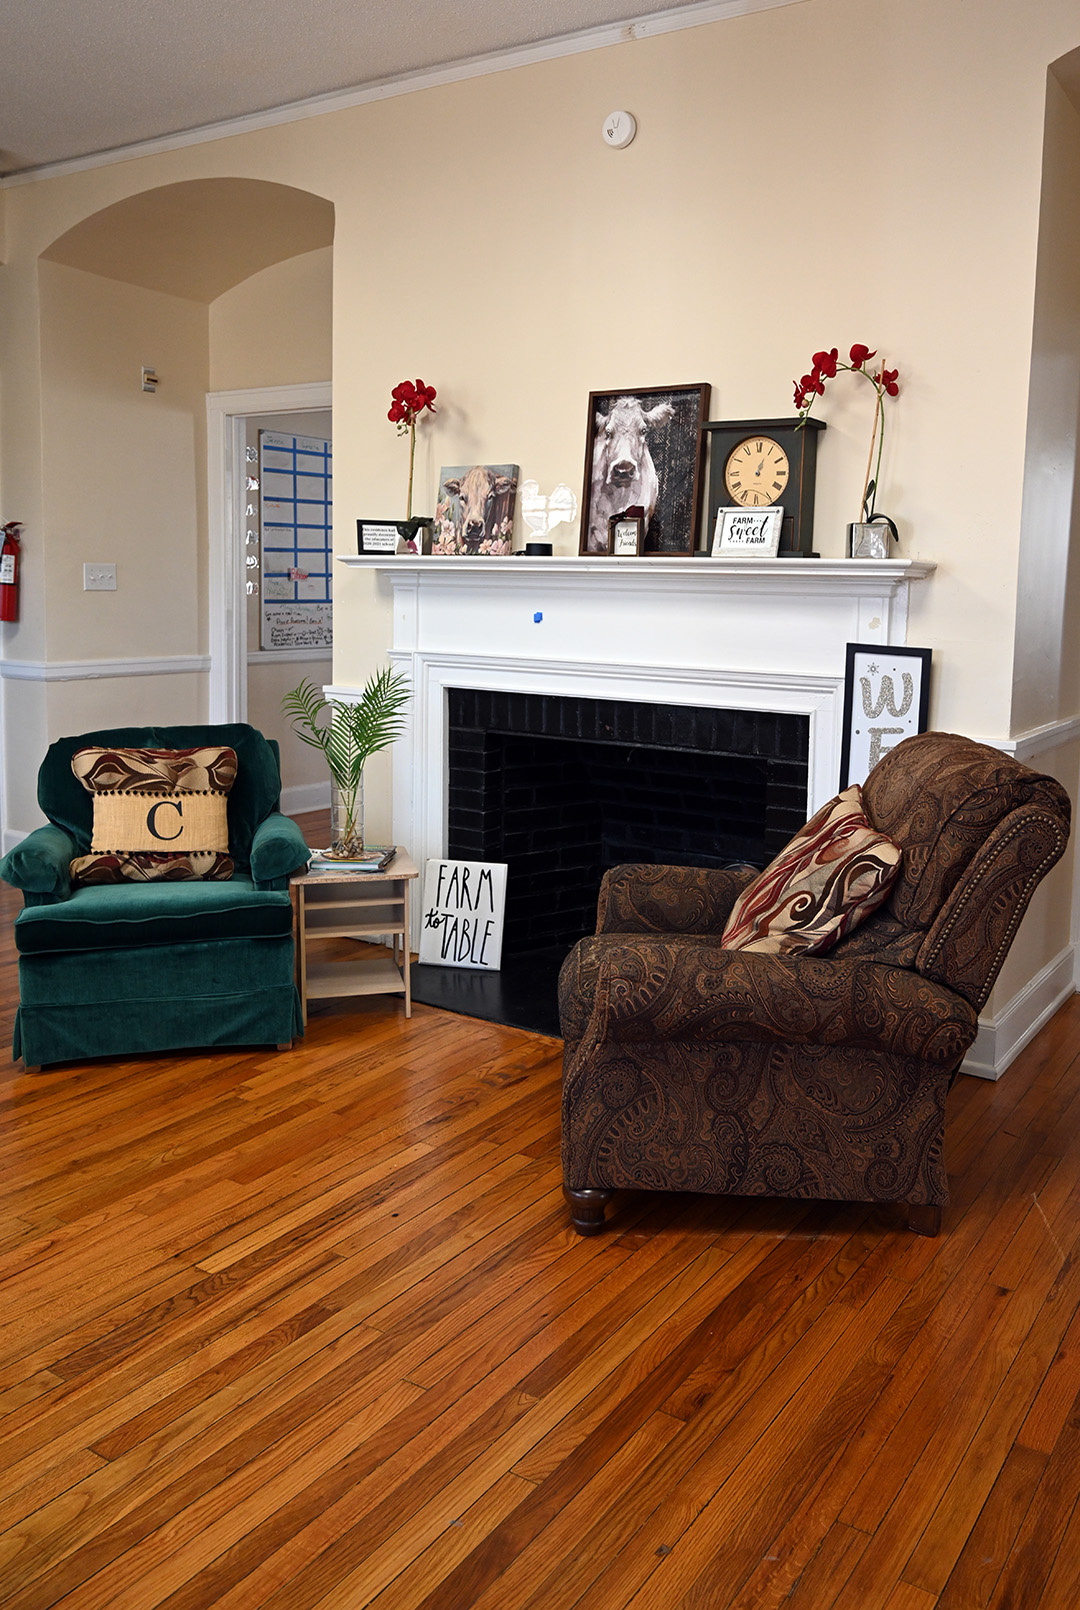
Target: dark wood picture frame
617	531
667	424
910	707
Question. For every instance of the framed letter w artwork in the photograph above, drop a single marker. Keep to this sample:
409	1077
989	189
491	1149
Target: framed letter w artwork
886	699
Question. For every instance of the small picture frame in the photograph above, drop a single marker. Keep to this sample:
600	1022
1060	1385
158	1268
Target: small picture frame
389	537
886	699
747	533
626	536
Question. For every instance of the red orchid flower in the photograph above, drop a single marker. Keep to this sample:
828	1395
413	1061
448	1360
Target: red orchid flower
826	362
409	399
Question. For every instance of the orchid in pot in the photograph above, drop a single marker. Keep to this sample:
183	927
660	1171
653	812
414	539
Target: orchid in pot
408	401
826	366
354	732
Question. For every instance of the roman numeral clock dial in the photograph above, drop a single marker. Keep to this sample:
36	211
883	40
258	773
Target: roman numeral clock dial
757	472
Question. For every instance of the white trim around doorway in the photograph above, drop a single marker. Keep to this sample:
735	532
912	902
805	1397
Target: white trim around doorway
226	412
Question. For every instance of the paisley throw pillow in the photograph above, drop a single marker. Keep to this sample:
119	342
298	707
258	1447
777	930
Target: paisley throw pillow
834	873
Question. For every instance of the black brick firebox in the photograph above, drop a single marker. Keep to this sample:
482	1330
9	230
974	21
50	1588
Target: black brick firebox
563	788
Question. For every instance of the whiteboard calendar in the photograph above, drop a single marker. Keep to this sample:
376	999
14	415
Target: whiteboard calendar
295	541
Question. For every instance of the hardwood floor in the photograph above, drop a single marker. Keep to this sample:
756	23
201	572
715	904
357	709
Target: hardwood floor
310	1329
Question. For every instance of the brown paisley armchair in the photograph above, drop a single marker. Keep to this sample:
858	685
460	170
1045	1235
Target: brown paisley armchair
693	1068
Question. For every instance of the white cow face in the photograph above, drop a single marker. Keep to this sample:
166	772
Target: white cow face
623	434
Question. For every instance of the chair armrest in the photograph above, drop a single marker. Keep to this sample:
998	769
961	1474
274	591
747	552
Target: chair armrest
641	899
656	989
972	932
40	864
278	848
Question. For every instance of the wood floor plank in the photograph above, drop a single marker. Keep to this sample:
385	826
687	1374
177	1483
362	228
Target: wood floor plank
311	1331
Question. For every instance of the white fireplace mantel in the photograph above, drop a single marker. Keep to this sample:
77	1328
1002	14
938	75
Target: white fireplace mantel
753	634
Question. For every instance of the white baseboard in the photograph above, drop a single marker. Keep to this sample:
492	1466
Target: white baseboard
1001	1038
305	797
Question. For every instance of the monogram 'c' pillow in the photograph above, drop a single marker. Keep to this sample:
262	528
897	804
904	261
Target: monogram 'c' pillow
834	873
158	813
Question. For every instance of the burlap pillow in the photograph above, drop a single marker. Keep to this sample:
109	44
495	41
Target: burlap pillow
158	813
834	873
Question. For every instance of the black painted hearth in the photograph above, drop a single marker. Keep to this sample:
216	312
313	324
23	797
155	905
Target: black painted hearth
561	789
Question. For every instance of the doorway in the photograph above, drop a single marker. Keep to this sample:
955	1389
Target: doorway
247	681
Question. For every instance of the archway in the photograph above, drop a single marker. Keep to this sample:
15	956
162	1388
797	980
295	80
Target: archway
132	286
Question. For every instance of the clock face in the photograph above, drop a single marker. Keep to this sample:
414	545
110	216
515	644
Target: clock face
757	472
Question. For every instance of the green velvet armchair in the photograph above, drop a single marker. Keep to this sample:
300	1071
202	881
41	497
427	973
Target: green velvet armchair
119	969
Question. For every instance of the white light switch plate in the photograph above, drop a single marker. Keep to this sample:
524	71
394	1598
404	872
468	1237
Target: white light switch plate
99	578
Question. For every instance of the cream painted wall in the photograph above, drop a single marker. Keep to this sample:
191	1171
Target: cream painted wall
123	478
1047	660
824	173
121	465
275	329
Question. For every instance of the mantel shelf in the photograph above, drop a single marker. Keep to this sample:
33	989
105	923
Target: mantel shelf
839	575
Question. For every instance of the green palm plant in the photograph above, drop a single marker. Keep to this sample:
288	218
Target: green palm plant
354	732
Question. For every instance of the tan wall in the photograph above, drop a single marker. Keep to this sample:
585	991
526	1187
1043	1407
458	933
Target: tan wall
814	175
1047	662
275	329
122	466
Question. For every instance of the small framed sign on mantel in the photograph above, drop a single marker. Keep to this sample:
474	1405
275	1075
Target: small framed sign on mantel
747	533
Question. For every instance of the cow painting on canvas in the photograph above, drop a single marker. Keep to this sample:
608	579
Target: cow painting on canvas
475	510
623	472
644	452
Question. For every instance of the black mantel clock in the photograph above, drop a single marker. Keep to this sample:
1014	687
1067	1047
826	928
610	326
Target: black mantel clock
757	462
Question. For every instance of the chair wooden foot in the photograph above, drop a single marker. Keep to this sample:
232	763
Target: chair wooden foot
587	1209
924	1217
284	1045
31	1067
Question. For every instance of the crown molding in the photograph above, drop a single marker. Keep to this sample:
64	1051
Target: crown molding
496	61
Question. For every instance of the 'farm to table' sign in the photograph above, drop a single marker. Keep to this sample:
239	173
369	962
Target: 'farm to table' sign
462	920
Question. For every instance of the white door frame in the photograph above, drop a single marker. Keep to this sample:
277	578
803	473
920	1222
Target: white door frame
226	413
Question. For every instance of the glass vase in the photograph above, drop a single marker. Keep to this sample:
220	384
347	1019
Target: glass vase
346	818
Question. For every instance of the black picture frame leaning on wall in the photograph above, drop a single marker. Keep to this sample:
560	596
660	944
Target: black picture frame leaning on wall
886	697
642	433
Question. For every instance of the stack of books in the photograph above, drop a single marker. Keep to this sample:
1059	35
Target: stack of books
373	858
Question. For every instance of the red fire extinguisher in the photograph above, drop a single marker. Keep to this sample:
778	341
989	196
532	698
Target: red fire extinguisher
9	571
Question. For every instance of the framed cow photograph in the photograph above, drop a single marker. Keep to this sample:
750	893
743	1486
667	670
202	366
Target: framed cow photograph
475	509
645	447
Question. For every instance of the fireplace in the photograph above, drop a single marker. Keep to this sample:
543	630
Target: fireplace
749	645
562	788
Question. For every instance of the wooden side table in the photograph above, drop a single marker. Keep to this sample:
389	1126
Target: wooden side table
354	905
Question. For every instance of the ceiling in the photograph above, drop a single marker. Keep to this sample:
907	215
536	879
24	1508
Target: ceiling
79	77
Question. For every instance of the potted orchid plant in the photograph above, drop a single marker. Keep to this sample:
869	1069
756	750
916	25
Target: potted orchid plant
408	401
864	539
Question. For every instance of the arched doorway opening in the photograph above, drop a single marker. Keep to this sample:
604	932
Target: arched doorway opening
160	280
